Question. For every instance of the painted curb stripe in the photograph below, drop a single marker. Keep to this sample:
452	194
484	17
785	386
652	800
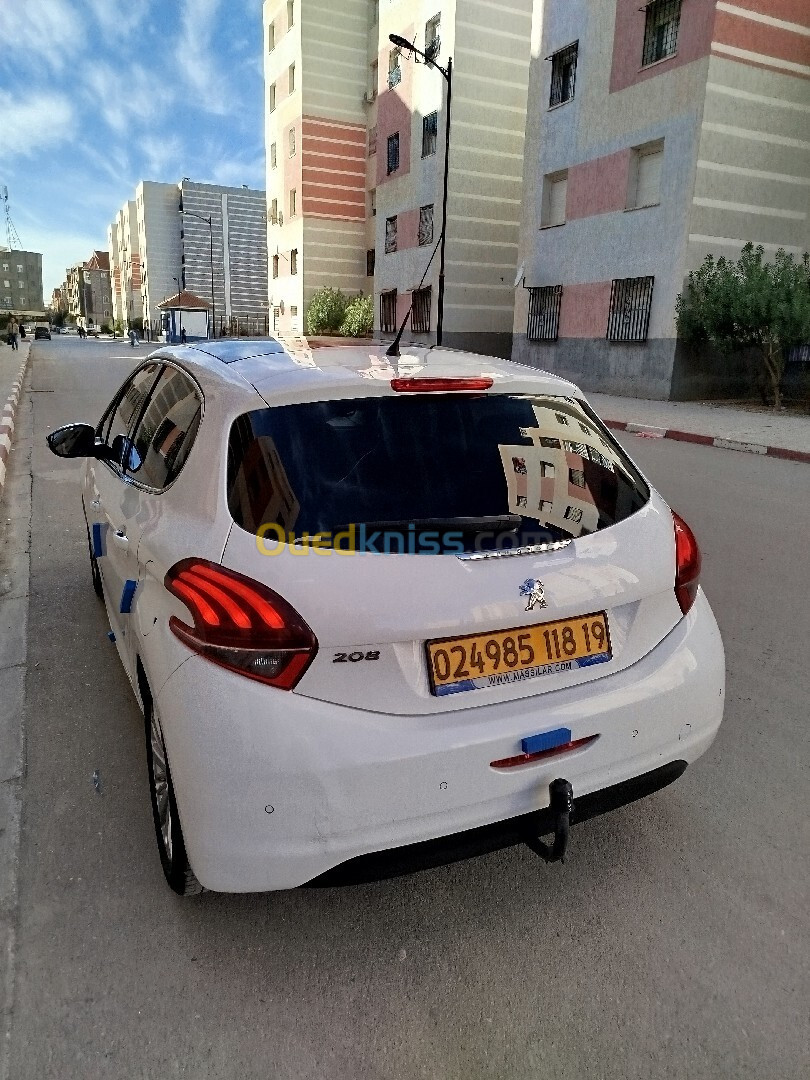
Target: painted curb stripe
710	440
7	419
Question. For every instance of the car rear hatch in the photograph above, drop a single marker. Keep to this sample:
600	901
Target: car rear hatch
451	547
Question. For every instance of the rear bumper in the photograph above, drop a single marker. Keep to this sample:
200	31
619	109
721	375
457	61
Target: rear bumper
275	789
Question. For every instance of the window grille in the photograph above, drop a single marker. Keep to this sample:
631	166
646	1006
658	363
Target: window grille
388	312
393	152
294	261
630	304
430	130
563	74
371	257
420	314
390	235
544	313
661	30
425	225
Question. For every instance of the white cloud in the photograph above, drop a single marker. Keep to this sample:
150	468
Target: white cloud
196	55
127	100
119	18
37	32
41	119
234	172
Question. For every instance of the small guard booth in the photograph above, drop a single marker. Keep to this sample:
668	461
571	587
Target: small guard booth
185	311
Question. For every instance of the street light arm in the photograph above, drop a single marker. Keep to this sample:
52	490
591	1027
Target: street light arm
403	43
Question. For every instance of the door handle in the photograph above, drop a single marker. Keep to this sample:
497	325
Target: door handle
120	538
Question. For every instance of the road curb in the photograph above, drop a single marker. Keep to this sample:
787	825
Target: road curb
708	440
7	418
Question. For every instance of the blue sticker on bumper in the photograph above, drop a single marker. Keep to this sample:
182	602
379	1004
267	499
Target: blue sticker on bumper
127	595
98	540
545	740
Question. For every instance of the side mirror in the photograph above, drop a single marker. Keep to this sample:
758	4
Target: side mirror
73	441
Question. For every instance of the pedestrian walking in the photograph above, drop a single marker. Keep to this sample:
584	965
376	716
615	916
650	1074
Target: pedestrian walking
22	331
133	337
183	336
13	331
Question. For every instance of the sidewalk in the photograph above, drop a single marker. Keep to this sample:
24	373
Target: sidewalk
13	363
759	431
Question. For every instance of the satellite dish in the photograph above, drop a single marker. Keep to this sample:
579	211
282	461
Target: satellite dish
520	274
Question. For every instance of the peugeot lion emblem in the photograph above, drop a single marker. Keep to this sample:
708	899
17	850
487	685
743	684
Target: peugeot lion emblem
533	591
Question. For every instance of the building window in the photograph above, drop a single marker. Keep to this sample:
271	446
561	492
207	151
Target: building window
292	142
372	202
271	100
371	256
394	72
630	304
430	129
420	312
5	267
292	202
563	75
23	301
393	152
555	196
645	176
373	81
661	30
19	268
273	215
432	40
291	78
372	140
294	261
273	161
275	266
21	284
425	225
544	313
271	37
7	284
290	14
7	301
390	235
388	312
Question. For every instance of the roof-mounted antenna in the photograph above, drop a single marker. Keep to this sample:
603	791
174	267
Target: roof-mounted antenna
393	348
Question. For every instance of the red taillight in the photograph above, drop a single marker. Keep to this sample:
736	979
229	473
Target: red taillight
240	624
687	564
421	386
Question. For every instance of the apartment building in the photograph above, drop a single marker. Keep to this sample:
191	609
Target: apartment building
89	292
21	282
657	133
355	135
125	266
205	239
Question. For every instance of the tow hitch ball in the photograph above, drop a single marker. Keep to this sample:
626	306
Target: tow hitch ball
560	806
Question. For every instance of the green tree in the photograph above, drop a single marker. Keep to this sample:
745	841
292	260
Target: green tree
749	303
325	311
359	318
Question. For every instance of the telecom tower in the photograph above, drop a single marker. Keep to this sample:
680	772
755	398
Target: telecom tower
13	241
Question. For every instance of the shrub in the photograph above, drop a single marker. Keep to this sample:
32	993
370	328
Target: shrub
105	328
325	311
359	318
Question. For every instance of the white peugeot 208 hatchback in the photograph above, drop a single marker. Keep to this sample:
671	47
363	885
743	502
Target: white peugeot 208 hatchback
385	612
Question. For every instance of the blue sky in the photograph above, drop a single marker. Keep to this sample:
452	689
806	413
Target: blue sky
96	95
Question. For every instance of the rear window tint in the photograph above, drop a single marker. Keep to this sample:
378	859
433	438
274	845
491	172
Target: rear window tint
321	466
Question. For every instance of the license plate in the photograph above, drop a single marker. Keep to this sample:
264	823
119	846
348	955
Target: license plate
510	656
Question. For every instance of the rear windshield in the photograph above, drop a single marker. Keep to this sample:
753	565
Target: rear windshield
525	469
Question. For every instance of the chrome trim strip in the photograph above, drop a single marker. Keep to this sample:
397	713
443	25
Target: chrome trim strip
532	549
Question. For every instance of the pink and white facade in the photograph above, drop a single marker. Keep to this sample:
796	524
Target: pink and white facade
682	128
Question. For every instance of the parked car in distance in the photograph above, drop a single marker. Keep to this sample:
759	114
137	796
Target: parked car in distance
380	613
41	332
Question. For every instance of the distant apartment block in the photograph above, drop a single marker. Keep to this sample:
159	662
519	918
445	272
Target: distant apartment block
125	266
89	294
161	243
355	137
658	133
21	282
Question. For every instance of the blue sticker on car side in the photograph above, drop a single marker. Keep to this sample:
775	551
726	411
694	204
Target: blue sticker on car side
127	595
98	540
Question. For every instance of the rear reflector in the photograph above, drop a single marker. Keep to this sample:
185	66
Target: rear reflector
421	386
542	755
240	624
687	564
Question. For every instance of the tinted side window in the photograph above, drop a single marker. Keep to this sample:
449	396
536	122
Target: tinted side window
119	417
166	433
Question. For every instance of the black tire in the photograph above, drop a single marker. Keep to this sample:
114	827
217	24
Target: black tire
168	831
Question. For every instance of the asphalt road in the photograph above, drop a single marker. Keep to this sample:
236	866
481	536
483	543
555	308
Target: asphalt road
674	943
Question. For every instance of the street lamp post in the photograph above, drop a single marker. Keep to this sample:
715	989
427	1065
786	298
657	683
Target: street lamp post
447	73
210	223
179	281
